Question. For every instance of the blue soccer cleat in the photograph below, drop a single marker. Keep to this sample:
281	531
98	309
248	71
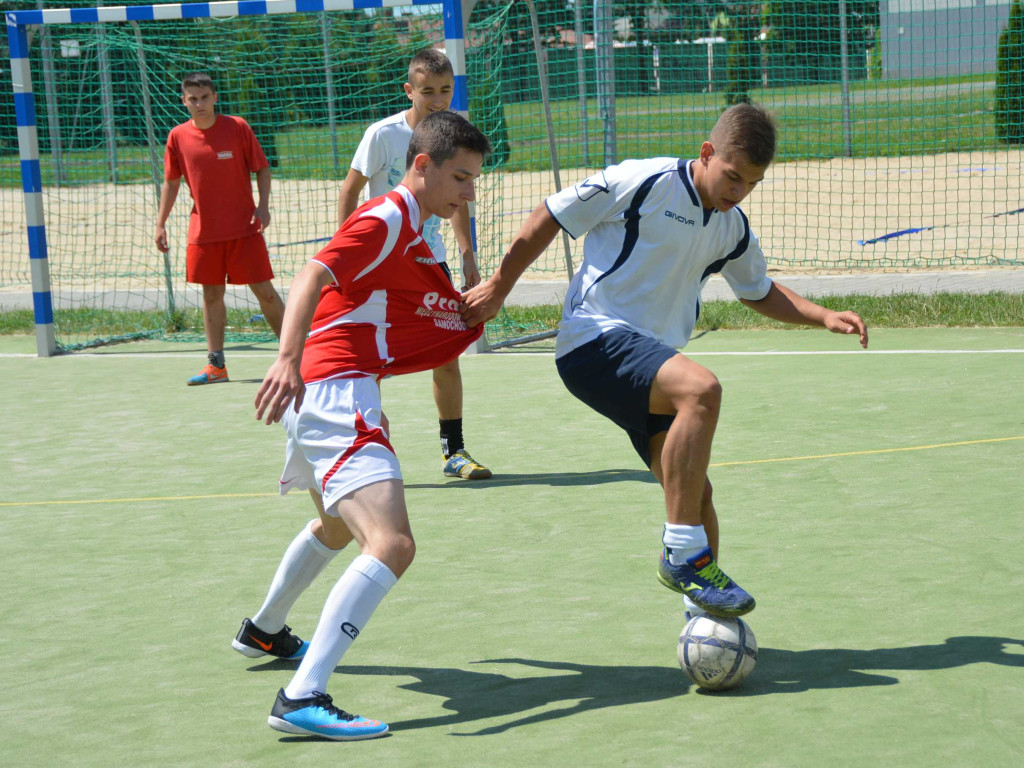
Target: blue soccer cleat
253	642
317	716
701	580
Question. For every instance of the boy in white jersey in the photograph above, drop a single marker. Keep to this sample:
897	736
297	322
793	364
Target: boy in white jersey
373	303
380	162
656	230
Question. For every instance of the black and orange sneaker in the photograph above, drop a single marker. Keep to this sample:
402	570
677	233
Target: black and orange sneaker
253	642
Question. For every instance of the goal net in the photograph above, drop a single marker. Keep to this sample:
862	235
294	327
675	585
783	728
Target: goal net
900	130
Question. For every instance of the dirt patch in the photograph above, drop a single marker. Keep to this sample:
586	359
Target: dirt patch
834	216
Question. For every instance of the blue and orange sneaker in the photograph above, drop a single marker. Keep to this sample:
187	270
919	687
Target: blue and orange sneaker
707	585
461	464
317	716
253	642
211	374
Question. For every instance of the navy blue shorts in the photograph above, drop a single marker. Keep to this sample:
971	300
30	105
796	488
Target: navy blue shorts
613	375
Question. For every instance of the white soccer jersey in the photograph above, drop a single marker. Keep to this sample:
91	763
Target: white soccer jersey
380	157
650	247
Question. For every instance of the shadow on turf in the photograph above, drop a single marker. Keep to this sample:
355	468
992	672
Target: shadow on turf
473	696
782	671
484	695
558	479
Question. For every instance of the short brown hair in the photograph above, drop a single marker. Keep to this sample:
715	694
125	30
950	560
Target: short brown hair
745	128
430	61
441	134
197	80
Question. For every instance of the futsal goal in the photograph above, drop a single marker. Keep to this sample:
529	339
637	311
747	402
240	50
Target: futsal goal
892	155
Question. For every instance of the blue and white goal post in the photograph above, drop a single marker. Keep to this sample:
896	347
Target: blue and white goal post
455	13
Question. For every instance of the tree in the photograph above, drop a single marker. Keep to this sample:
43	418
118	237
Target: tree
742	31
1010	78
805	34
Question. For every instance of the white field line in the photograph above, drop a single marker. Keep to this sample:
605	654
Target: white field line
270	354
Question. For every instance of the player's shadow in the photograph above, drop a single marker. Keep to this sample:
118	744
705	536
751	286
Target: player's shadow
782	671
575	688
557	479
473	696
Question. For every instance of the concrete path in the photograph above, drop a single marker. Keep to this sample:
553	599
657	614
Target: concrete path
534	292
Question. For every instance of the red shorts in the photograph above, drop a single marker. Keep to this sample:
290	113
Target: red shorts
243	261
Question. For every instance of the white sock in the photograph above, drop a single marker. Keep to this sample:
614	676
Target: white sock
683	541
303	561
692	608
349	606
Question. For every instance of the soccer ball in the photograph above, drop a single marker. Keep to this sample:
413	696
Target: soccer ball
717	653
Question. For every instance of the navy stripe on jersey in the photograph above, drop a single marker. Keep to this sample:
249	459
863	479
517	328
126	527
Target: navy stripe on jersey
684	174
632	218
739	250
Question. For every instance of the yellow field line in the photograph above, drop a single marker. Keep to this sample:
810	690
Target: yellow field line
144	498
867	453
716	464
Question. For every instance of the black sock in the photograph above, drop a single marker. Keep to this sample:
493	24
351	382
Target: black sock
451	436
216	358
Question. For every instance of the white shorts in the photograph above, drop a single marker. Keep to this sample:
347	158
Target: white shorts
336	444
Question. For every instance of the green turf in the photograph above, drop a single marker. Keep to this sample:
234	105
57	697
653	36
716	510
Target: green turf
139	524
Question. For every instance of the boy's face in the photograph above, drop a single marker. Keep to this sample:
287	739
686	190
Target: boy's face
199	102
430	93
451	184
727	181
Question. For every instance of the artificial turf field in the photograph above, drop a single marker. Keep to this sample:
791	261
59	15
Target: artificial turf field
872	502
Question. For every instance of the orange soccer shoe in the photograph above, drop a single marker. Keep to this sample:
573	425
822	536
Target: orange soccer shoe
211	374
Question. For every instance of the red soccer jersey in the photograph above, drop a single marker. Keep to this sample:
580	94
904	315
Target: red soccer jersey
217	164
391	308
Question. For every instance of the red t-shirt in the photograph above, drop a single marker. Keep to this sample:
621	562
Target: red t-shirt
217	164
391	308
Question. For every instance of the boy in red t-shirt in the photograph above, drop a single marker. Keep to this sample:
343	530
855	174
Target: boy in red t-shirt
373	303
216	155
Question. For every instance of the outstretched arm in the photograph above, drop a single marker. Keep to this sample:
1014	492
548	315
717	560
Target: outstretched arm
787	306
482	303
283	383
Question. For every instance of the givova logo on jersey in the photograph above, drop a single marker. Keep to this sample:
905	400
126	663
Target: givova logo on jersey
443	311
681	219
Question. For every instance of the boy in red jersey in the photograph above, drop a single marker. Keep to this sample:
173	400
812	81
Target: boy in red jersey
379	164
216	155
373	303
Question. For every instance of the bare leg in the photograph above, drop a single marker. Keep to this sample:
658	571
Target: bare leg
448	390
270	304
694	395
708	516
215	316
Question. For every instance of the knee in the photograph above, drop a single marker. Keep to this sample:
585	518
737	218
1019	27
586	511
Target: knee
335	536
264	292
213	295
704	390
710	389
398	553
448	369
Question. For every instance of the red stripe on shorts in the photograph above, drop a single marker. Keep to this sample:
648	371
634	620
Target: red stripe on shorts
364	436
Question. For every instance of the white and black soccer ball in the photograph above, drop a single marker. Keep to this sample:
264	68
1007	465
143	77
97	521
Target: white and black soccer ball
717	653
